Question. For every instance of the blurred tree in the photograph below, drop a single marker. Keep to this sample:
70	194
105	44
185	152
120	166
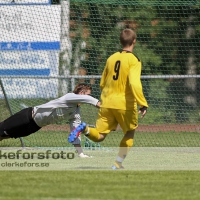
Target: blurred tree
55	2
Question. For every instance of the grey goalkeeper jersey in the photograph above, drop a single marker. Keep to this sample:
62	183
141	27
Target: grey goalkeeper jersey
61	108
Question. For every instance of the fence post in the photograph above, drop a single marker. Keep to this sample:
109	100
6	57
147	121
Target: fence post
72	83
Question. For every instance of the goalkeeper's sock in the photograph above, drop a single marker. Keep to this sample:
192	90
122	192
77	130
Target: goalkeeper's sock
92	134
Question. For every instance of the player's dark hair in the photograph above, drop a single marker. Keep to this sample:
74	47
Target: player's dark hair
82	87
127	37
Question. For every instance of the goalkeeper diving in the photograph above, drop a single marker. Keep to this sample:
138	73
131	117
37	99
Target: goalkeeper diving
32	119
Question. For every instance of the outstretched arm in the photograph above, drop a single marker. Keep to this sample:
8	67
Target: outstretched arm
79	99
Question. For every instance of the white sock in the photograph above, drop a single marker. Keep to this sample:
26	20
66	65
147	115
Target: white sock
119	159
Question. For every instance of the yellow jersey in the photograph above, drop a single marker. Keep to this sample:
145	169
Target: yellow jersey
120	83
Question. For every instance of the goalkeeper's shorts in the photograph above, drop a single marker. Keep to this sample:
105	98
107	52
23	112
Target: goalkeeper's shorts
109	118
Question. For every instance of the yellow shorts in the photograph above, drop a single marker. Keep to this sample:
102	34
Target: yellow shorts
109	118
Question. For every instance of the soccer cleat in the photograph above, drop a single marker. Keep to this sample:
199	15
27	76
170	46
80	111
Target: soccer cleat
115	168
117	165
76	132
82	155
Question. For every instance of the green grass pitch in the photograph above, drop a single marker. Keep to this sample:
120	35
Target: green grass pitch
105	185
160	166
151	173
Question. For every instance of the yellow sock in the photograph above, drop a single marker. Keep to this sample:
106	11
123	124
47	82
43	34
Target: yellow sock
92	134
125	145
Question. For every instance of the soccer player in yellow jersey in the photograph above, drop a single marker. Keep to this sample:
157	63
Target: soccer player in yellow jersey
121	92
